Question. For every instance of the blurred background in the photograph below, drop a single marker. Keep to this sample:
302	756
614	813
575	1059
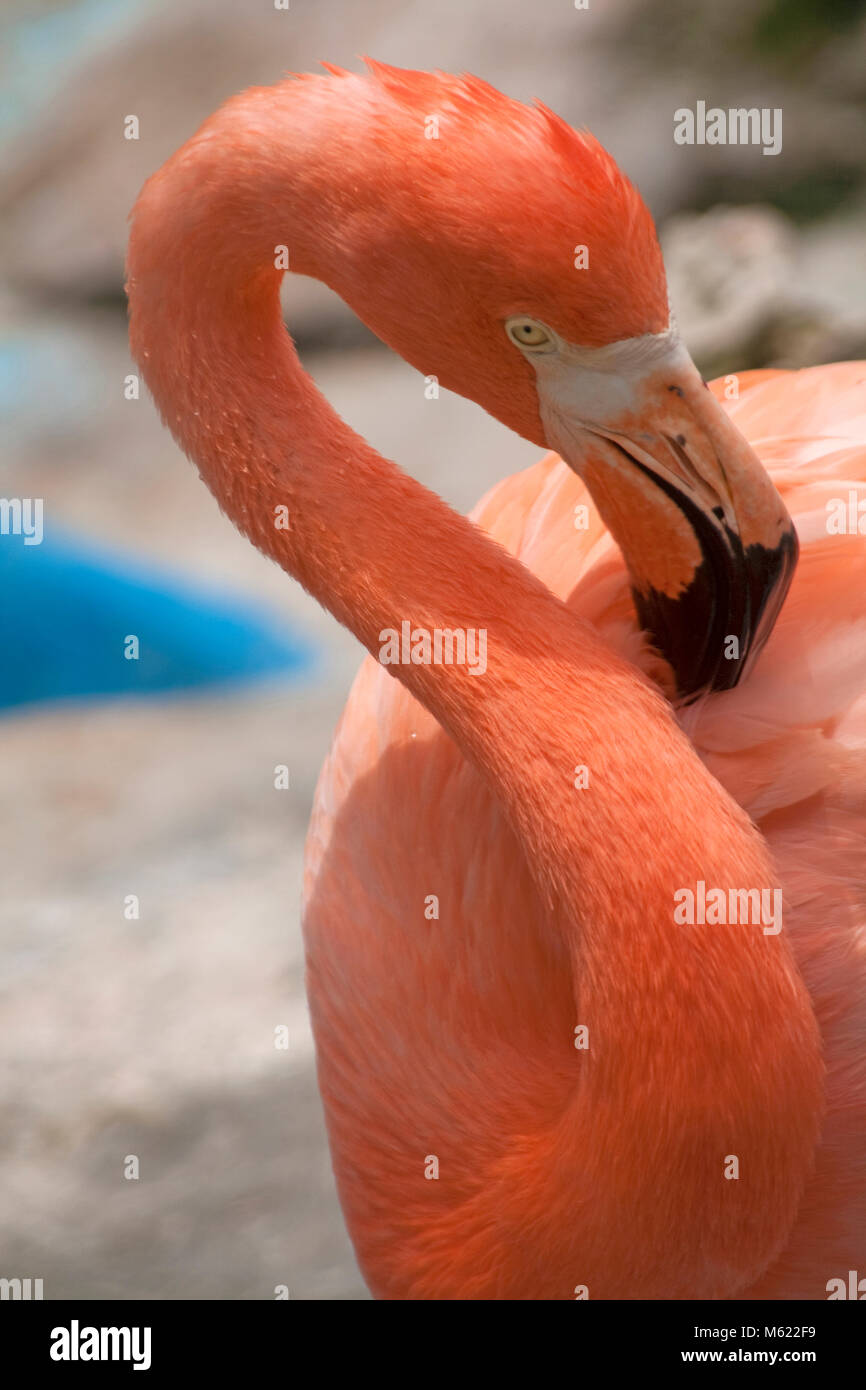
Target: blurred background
153	780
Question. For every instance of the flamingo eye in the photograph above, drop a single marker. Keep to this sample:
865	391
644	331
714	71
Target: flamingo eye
529	333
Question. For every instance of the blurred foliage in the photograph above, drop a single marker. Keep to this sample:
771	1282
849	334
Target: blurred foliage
781	34
805	198
794	27
819	193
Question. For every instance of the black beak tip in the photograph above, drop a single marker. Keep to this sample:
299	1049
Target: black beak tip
711	633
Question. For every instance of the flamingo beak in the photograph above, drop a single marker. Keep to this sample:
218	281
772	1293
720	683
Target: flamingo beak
710	547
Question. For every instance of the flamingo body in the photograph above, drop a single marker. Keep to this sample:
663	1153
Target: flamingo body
474	910
451	1037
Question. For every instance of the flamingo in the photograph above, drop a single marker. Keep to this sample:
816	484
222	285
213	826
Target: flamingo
538	1082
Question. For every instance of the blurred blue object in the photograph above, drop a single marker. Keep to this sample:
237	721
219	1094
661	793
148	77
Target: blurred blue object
67	612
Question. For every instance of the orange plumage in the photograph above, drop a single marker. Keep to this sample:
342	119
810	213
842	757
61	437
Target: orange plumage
452	1037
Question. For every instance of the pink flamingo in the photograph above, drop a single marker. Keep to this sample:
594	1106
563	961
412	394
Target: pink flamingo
539	1082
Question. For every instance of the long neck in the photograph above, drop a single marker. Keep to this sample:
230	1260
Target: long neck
688	1025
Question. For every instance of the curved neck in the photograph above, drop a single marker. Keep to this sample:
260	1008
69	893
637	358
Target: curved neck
686	1015
372	545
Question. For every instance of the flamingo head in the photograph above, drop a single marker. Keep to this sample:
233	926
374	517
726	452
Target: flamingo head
504	253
